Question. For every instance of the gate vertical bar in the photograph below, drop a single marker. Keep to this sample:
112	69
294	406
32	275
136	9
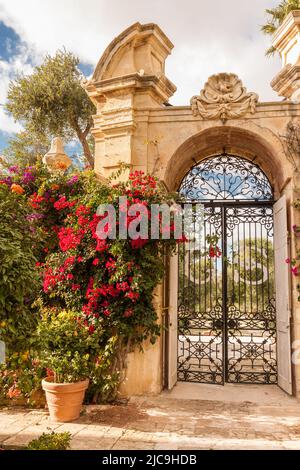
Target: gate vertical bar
224	295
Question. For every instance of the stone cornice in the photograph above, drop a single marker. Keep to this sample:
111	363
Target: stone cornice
289	28
161	86
184	113
287	81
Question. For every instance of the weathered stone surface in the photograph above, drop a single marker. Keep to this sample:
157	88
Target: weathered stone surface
167	423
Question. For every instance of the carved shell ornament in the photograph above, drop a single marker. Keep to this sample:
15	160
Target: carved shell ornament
224	97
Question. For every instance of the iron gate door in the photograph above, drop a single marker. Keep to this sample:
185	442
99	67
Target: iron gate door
226	298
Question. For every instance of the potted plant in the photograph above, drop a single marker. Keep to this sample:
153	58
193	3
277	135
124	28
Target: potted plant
67	349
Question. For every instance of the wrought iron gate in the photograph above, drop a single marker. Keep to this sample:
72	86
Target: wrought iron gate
226	313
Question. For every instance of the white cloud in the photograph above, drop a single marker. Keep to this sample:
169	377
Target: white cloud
8	70
209	37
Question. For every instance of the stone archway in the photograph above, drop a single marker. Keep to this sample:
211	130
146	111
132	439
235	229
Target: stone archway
255	149
258	144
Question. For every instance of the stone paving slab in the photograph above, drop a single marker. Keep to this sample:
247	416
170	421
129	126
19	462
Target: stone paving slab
164	423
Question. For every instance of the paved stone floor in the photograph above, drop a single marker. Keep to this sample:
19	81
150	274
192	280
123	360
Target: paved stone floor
190	417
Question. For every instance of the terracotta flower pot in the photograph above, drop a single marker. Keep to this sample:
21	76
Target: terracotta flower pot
64	399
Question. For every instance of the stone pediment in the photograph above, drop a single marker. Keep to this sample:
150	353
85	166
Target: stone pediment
134	61
141	48
224	97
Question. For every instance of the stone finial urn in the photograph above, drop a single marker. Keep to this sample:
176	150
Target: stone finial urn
56	160
286	41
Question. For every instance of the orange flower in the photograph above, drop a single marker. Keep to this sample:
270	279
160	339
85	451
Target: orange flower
16	188
61	166
14	392
55	187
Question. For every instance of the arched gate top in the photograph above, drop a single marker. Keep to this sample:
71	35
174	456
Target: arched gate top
226	177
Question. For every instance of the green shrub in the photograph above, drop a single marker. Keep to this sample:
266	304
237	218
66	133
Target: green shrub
18	275
67	346
51	441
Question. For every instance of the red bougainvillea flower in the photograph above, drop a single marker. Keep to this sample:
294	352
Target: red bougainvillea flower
36	200
82	210
288	261
75	287
132	295
51	279
83	221
69	261
68	238
49	372
101	245
96	262
62	203
214	252
138	243
110	264
123	286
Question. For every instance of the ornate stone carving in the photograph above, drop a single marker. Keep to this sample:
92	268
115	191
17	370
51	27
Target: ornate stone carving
224	97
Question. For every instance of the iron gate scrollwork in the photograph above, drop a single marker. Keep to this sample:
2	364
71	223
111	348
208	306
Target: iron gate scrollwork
226	304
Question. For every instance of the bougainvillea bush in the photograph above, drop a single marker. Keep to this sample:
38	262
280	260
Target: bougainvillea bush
108	283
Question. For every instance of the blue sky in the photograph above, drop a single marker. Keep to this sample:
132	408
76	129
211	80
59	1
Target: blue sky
11	46
9	42
208	38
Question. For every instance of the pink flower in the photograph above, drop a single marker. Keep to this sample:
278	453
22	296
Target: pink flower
96	262
288	261
295	271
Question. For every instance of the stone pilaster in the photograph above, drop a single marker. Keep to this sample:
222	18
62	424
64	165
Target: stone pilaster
129	77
